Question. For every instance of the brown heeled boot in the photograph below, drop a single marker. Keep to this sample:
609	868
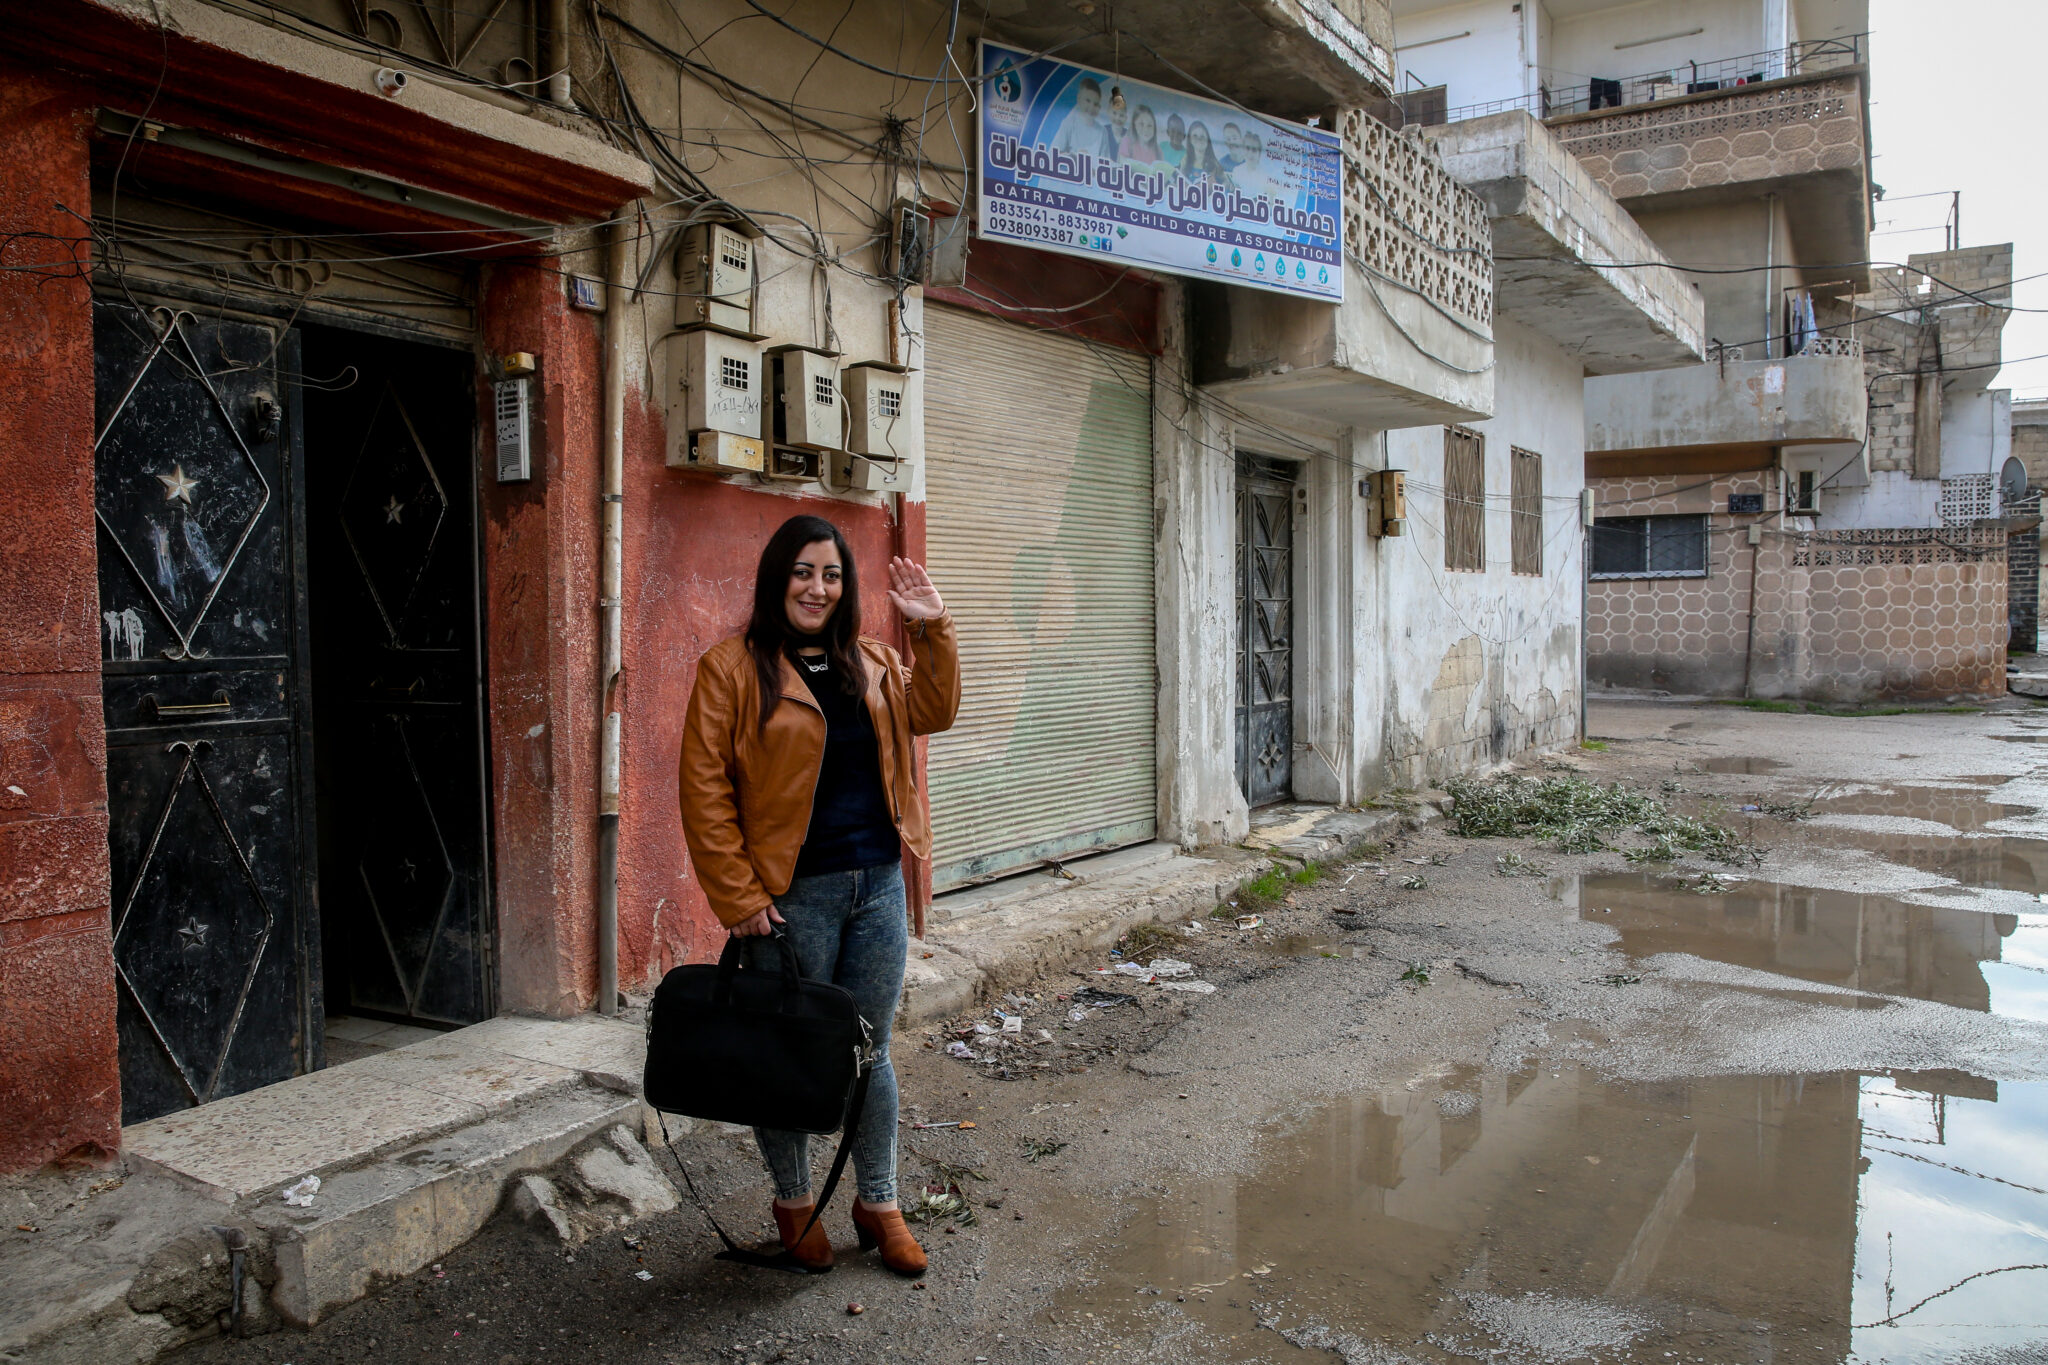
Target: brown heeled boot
815	1250
885	1228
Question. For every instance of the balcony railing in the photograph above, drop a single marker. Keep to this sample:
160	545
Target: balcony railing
1686	78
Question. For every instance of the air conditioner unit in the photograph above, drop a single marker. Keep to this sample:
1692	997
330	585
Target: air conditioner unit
717	392
884	411
808	411
715	278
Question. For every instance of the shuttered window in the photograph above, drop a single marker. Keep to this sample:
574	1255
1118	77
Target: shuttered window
1464	500
1038	476
1525	511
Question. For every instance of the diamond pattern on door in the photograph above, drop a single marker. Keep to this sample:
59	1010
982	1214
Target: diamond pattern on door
1265	630
178	511
404	866
392	512
217	944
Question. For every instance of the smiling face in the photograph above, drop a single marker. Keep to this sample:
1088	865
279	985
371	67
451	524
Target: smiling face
1144	126
1087	103
1233	139
814	587
1198	143
1176	132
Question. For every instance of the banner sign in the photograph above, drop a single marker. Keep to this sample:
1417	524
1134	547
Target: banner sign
1087	163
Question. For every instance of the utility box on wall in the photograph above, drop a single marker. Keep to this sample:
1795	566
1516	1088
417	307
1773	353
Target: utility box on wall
715	278
809	411
716	394
884	409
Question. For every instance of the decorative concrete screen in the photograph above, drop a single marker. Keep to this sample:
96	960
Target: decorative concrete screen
1787	130
1409	225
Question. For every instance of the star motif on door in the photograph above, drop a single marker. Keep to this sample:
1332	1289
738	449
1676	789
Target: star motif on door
177	487
1270	756
393	510
412	872
193	932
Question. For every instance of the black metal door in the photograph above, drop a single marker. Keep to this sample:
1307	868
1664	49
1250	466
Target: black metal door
405	898
1265	629
198	577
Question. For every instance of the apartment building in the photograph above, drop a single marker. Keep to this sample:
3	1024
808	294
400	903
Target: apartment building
1763	527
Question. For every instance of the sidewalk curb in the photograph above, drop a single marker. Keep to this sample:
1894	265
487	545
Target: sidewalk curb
964	961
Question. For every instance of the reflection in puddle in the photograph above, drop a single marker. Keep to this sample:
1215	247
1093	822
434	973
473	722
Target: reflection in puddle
1751	766
1550	1216
1957	957
1964	811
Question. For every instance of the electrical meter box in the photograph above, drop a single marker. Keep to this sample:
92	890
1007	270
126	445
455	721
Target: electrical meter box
808	412
715	278
844	473
883	408
717	389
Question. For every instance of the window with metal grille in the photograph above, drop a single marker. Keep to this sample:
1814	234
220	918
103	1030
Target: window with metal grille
734	373
1464	500
1526	511
1650	547
889	402
822	390
1805	495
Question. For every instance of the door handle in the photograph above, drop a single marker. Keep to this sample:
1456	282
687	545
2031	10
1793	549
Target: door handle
219	705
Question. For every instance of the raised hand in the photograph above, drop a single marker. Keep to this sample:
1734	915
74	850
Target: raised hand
911	590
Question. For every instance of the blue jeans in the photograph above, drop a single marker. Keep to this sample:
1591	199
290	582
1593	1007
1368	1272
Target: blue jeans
847	928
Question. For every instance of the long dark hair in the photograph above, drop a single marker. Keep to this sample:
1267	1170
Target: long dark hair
768	632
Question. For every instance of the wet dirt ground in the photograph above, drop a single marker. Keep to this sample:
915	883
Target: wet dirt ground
1467	1099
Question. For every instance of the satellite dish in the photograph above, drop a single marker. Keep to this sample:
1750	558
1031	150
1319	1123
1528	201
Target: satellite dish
2012	481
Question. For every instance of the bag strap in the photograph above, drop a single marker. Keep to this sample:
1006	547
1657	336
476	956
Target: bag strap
784	1259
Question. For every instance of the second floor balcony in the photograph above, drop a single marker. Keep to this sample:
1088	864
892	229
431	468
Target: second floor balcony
1726	414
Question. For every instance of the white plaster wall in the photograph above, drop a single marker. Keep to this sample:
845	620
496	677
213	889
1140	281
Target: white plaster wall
1892	498
1582	46
1738	307
1465	663
1487	64
1973	438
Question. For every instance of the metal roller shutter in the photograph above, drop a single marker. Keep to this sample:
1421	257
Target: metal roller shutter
1039	484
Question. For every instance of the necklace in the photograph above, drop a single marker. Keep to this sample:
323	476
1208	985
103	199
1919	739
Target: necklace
822	665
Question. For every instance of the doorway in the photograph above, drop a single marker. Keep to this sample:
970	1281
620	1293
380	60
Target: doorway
290	680
398	748
1265	629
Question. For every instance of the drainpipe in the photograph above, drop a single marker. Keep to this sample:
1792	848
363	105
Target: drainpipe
617	268
558	52
1770	272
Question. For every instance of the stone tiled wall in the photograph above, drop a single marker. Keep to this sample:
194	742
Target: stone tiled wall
1797	128
1848	616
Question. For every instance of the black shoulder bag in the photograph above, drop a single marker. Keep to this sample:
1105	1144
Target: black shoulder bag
760	1047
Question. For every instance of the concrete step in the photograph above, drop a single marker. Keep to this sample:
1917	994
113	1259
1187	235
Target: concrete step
415	1148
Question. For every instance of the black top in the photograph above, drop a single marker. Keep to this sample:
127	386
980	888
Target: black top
851	827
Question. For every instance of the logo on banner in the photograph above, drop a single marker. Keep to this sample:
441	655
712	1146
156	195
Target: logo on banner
1259	262
1212	253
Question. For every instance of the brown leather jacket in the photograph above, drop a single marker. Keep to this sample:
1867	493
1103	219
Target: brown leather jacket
746	793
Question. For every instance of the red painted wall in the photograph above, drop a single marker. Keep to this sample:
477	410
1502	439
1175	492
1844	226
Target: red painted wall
540	650
60	1092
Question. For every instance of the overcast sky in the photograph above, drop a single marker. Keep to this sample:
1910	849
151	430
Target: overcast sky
1959	101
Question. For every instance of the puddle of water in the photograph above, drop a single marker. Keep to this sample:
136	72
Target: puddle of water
1975	961
1751	766
1320	945
1965	811
1548	1216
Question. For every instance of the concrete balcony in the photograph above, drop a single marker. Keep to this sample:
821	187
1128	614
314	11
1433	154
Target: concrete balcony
1724	415
1553	228
1287	58
1804	138
1412	343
